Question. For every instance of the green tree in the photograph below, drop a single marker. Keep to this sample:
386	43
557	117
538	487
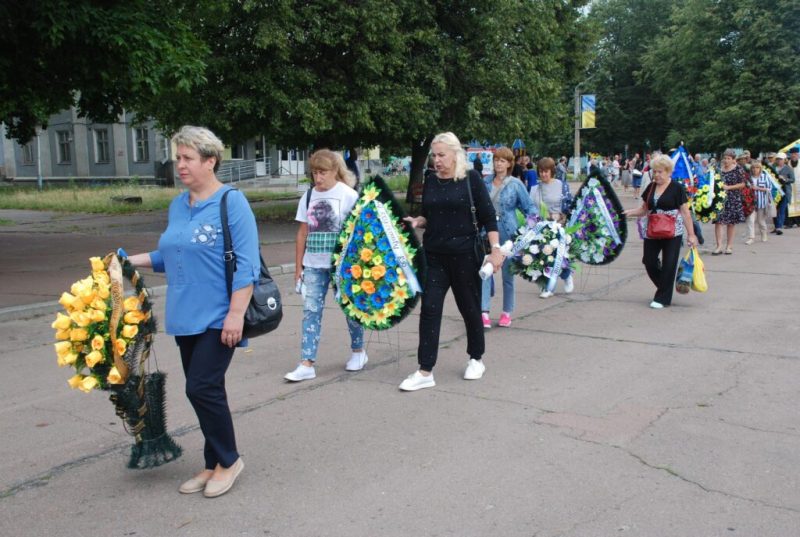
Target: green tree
100	56
729	71
630	111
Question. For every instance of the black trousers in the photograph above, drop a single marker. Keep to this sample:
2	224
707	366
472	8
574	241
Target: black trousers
459	272
205	361
662	273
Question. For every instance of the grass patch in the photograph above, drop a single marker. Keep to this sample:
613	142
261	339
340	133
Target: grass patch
98	200
4	222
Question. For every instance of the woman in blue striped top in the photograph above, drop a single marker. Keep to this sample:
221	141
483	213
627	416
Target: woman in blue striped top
763	193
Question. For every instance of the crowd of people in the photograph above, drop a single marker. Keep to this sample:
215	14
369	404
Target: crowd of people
459	205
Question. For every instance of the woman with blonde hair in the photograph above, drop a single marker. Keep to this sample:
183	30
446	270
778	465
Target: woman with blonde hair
453	262
321	214
205	320
663	195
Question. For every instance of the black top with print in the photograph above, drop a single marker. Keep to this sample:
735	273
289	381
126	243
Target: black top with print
445	205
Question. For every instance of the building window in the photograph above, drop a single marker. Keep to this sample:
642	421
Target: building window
141	144
27	154
237	152
64	147
163	149
101	153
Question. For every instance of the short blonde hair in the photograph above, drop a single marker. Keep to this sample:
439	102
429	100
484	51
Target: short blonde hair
451	142
662	162
327	160
201	140
507	155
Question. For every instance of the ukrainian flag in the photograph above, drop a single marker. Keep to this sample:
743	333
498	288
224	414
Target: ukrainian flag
587	111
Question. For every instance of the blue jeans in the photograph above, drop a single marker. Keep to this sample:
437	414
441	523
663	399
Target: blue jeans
782	209
508	290
316	284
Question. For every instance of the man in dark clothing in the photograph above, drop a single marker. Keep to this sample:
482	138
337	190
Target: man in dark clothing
786	177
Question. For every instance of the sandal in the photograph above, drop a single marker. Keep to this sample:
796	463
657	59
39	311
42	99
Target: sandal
728	250
717	250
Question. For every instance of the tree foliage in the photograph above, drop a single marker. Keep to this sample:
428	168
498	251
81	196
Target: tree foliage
729	71
102	56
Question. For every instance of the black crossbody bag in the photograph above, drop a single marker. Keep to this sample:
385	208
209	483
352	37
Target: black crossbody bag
265	311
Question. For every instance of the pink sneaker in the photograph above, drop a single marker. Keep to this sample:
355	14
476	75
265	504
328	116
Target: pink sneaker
487	322
505	320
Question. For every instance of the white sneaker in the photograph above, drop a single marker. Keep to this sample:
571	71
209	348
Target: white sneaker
656	305
301	372
417	381
545	294
357	361
475	369
569	285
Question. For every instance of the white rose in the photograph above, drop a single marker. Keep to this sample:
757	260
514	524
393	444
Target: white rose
554	243
534	249
547	250
569	239
527	259
550	259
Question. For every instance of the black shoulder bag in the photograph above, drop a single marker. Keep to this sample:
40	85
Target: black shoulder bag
480	245
264	313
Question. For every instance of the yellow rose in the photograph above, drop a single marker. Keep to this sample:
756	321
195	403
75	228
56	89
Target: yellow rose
129	331
66	299
114	377
120	346
94	358
131	303
63	348
99	304
78	334
367	273
81	318
133	317
103	291
101	278
61	335
62	322
67	359
87	384
97	316
366	254
98	342
97	264
75	381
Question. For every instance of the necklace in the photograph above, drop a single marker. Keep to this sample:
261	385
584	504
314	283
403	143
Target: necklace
443	181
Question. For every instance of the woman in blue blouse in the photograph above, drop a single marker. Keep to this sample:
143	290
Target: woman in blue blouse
507	194
206	323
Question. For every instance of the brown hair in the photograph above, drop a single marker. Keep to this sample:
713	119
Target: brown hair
546	163
507	155
325	160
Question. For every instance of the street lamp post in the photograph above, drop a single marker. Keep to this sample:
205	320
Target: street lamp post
576	163
39	180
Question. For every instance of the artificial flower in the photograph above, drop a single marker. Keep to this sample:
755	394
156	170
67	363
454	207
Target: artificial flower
74	381
368	287
114	377
131	303
81	318
134	317
120	346
62	322
87	384
97	316
378	272
130	330
366	254
62	334
78	334
97	264
63	348
98	342
356	271
94	358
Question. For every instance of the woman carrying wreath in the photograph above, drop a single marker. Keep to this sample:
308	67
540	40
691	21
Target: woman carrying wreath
206	322
663	195
732	213
554	194
453	262
507	194
321	215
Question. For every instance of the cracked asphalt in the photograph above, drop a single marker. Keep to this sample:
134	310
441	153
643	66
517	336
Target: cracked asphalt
597	416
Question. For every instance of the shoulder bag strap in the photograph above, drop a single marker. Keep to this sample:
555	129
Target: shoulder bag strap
472	209
228	256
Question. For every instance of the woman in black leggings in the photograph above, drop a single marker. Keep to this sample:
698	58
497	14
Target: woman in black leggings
449	246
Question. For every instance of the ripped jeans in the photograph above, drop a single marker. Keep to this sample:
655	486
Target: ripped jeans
316	282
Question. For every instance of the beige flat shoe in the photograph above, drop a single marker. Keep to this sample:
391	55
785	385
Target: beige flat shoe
218	488
195	484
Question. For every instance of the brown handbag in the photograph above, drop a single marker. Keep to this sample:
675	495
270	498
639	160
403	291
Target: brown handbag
659	225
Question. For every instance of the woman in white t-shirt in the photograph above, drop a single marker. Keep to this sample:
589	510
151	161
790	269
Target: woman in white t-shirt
321	214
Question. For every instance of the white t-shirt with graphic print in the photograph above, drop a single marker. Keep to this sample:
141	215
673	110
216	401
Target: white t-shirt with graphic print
325	216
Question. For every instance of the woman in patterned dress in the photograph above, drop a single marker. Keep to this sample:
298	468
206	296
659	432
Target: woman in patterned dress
732	213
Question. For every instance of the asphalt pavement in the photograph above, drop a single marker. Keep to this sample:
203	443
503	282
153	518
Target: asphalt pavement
597	416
